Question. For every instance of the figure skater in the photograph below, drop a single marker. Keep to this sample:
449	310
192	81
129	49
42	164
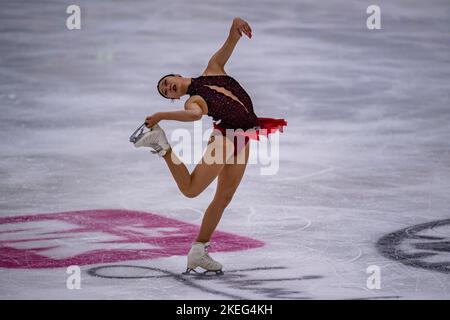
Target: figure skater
221	97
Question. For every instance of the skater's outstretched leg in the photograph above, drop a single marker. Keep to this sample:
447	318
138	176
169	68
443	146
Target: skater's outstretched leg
218	151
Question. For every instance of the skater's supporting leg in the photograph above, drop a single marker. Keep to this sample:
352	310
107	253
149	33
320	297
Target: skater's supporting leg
228	181
191	185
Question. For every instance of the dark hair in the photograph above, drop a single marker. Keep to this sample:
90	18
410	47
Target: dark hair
157	86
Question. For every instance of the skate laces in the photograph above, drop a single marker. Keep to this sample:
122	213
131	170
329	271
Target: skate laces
207	258
207	246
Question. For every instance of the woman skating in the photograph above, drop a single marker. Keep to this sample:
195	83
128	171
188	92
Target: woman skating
220	96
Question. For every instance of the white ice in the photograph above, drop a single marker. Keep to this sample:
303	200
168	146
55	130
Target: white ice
366	151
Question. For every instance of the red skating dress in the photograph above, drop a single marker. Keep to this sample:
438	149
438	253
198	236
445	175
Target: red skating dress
231	114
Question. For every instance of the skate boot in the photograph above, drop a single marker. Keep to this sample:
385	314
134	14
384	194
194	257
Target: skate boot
155	138
198	257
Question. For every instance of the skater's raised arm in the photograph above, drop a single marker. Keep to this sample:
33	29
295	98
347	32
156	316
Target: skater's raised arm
220	58
192	112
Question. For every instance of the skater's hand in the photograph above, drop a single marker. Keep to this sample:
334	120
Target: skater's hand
150	121
242	27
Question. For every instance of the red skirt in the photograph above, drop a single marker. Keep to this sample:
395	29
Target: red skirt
265	126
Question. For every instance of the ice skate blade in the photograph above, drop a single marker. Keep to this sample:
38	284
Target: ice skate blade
206	273
139	133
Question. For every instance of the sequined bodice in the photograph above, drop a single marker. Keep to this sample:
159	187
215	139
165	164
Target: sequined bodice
232	113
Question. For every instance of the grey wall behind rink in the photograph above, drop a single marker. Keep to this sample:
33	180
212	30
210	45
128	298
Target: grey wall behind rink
366	151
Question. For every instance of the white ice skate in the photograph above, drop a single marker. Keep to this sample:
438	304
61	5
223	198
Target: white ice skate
155	138
198	257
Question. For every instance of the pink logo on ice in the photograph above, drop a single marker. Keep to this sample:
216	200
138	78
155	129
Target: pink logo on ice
100	236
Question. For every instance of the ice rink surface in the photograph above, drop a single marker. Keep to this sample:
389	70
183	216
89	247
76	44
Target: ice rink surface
364	167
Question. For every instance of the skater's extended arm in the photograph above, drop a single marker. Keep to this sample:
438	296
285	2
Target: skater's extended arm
220	58
192	112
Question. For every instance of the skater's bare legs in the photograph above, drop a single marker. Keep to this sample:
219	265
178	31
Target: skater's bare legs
192	184
227	183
